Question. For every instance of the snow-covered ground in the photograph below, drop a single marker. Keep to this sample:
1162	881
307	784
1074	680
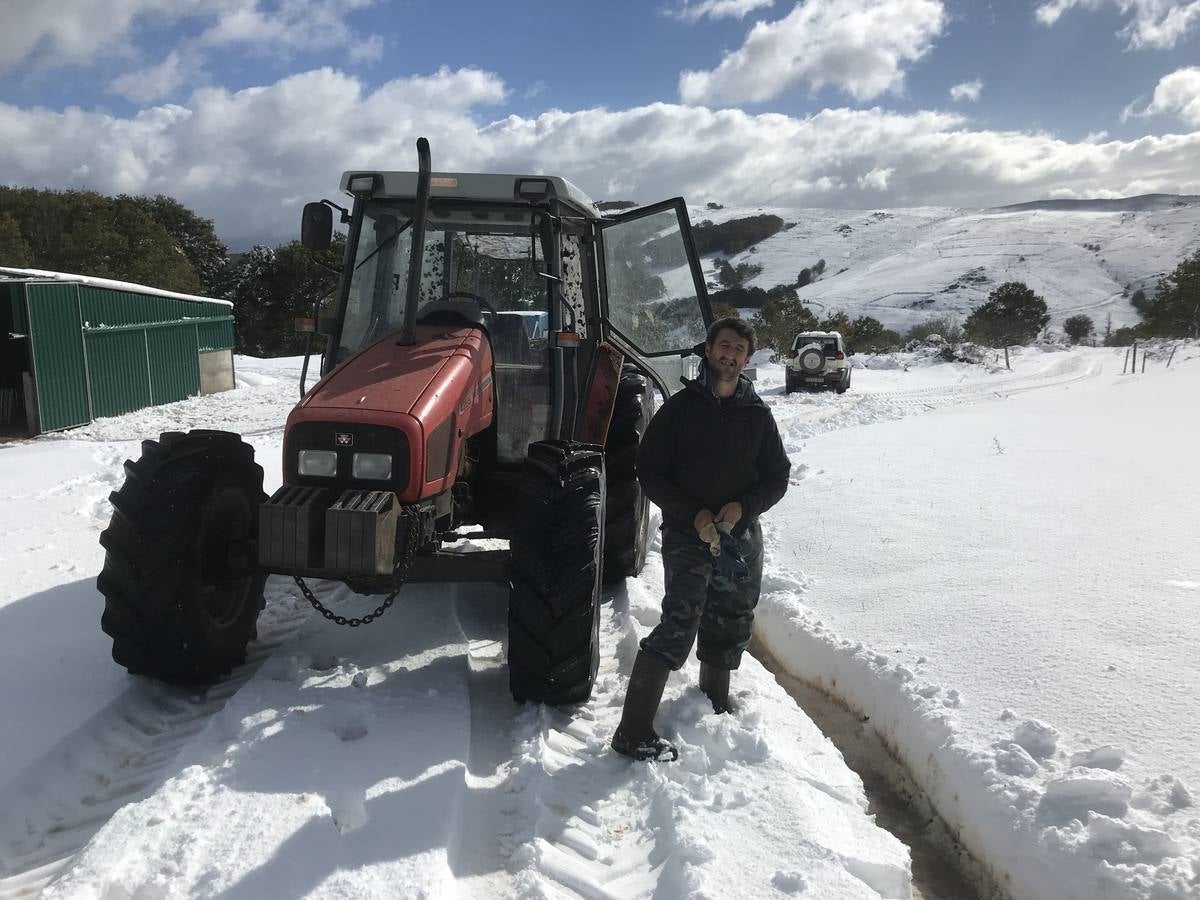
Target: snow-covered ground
1000	569
903	266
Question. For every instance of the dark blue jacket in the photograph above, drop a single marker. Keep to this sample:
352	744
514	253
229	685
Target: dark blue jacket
700	452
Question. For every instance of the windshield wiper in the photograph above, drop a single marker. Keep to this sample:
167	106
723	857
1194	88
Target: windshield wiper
383	245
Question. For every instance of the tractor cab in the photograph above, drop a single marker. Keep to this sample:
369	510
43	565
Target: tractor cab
531	262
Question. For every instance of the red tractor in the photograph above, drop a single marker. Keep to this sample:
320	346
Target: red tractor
487	373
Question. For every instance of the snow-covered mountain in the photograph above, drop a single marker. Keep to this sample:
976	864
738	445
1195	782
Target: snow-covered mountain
903	266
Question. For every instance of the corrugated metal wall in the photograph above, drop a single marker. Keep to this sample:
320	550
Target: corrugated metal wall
103	352
215	335
117	362
174	363
59	365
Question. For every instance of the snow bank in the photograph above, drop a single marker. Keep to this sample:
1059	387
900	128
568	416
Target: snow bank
997	592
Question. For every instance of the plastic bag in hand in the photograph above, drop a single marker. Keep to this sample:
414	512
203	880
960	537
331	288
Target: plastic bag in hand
730	566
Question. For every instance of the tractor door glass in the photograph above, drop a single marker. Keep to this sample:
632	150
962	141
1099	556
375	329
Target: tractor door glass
655	294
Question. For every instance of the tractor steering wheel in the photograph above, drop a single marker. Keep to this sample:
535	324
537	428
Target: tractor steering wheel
484	304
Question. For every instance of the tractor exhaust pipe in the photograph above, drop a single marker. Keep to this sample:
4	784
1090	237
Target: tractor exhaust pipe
408	331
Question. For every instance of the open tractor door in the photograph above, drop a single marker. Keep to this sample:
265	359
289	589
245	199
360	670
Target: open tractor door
488	370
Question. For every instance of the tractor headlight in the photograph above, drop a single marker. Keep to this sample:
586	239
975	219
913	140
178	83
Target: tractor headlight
372	466
318	463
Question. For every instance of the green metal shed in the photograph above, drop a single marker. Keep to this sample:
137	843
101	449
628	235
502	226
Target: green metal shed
74	348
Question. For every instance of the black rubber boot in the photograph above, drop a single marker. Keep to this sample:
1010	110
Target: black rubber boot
714	683
635	736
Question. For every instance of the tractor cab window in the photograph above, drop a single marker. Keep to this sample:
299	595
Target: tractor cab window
480	266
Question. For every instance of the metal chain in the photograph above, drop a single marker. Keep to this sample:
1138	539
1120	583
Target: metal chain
410	552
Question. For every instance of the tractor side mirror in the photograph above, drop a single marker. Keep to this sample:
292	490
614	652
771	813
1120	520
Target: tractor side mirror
316	226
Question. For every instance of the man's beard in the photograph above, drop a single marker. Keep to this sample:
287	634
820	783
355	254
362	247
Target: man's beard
723	373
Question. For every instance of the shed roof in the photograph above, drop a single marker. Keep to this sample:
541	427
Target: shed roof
11	274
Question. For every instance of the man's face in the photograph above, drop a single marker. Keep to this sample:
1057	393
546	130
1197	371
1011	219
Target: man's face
727	355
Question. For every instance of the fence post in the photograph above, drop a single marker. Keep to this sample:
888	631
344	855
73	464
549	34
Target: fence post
1133	368
1143	362
1172	356
1125	365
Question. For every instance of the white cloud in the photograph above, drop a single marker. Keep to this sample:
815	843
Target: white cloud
694	10
368	51
249	158
154	82
72	30
876	179
291	25
1176	94
538	87
968	90
859	46
76	31
1158	24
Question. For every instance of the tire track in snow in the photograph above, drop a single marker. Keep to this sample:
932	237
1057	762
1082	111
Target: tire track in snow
567	781
119	756
801	416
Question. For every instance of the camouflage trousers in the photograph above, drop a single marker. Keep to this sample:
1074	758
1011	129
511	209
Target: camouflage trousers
723	620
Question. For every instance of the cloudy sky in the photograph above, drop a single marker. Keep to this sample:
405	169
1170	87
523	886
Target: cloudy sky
245	109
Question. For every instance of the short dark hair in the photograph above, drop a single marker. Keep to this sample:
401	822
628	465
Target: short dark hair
741	327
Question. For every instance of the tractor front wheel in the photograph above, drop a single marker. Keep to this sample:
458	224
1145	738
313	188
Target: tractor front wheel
180	582
557	552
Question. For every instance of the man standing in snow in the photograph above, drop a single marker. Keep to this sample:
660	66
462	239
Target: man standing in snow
713	462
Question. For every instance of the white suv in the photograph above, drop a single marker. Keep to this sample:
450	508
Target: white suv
817	360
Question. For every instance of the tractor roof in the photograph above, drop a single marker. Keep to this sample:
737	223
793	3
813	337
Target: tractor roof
476	186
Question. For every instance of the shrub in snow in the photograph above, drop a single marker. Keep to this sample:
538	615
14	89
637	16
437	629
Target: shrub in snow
947	329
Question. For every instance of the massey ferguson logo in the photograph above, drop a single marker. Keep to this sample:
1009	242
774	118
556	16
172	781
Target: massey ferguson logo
342	439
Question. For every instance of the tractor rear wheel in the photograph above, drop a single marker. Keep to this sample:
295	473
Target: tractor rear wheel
180	583
627	508
557	551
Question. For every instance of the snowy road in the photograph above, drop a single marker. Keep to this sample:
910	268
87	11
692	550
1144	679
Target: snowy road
353	761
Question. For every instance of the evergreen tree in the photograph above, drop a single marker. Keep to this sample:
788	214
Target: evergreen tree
271	288
1175	309
1079	328
14	249
192	234
779	321
1013	314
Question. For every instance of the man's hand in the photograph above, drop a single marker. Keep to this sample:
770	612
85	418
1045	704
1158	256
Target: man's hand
731	512
703	518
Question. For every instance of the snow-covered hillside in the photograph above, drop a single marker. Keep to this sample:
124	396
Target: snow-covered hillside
998	570
906	265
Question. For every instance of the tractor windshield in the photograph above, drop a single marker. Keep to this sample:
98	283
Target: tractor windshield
481	264
492	270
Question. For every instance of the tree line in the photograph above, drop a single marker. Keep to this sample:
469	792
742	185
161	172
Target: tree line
159	242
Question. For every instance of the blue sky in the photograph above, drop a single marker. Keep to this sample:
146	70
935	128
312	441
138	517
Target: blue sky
822	102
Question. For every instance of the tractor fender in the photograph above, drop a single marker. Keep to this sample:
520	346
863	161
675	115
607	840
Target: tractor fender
603	382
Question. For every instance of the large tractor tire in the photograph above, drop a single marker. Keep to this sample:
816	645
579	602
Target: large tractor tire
181	589
557	550
627	509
